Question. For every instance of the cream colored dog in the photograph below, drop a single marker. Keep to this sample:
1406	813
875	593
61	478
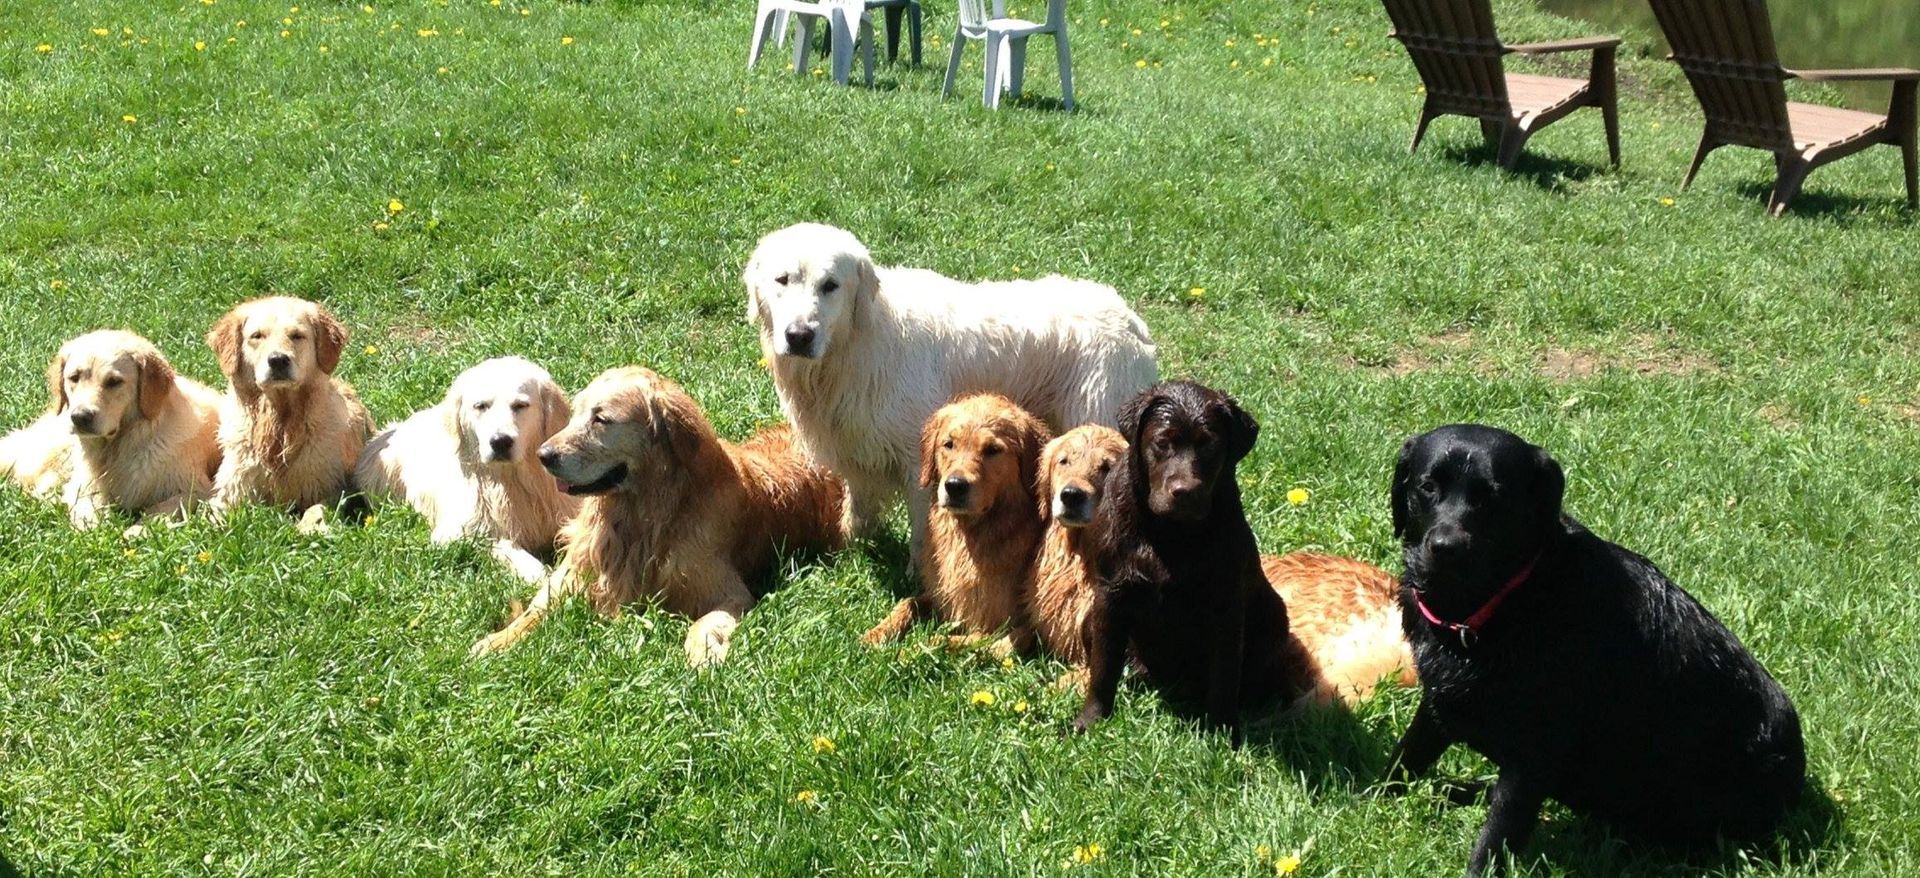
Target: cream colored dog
133	434
469	464
289	431
673	513
862	355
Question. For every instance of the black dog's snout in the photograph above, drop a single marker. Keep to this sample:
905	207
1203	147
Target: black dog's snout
279	364
800	338
1447	541
1072	496
957	489
502	445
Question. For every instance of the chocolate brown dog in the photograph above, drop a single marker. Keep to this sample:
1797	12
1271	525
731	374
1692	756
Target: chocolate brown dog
1180	575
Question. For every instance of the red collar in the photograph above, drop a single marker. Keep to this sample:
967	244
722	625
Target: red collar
1469	630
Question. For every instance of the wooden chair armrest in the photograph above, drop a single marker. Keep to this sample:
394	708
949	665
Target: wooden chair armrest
1577	45
1881	74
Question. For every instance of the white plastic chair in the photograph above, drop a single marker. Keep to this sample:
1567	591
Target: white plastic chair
895	9
840	16
1006	40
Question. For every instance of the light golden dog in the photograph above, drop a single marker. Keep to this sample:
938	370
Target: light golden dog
289	431
469	464
1344	613
673	513
978	457
39	456
132	434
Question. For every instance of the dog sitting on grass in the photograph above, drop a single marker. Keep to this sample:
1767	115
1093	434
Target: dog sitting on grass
978	456
672	513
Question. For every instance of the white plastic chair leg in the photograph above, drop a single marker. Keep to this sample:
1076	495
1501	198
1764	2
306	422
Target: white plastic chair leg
953	63
763	23
1016	76
991	96
780	27
866	44
1066	67
803	41
840	35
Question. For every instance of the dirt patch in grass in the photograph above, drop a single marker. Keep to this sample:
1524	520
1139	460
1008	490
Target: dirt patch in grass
1779	416
417	331
1642	354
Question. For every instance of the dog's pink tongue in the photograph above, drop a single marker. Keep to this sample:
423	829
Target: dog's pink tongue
563	485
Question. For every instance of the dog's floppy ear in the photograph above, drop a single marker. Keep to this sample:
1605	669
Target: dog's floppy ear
57	383
1133	415
753	289
1402	475
1043	480
554	409
156	383
450	407
1031	437
224	338
929	449
1243	431
329	340
1551	488
677	423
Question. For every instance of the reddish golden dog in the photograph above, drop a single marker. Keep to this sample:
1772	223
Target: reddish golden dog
673	513
979	455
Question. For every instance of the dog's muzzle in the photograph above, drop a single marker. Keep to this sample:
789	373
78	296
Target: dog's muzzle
800	339
500	448
1073	506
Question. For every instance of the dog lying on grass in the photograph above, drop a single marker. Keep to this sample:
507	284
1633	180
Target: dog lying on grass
469	463
122	431
979	455
289	431
673	513
1572	664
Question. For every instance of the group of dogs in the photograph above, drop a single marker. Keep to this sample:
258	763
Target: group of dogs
1060	496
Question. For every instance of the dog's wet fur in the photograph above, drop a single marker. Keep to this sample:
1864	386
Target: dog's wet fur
1180	576
1596	681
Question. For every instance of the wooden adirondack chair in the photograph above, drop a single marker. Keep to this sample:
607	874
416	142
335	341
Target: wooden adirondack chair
1726	49
1458	53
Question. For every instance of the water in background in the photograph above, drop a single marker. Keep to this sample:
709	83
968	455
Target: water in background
1810	33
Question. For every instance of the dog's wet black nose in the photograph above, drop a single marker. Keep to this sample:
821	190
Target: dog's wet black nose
1447	541
82	420
800	338
502	445
1073	497
957	489
549	457
279	363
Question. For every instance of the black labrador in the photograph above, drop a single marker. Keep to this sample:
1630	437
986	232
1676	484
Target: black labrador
1180	577
1573	664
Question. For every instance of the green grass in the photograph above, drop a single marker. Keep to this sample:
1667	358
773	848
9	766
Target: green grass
1732	396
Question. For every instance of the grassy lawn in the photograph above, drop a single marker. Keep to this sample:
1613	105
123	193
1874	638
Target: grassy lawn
1736	397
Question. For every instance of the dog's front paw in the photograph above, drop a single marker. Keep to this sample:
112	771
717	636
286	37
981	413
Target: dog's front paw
492	644
878	635
709	639
313	521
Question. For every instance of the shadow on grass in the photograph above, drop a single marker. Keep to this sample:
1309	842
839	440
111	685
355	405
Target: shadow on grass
1329	747
1550	174
1836	207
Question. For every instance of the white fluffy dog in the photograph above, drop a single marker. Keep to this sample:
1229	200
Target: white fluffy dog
862	355
469	464
122	427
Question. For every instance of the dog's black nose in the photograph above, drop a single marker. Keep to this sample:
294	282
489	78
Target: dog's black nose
800	338
1446	541
502	445
549	457
1073	497
957	489
82	421
279	363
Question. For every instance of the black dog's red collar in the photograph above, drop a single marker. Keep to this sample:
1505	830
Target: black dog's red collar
1469	630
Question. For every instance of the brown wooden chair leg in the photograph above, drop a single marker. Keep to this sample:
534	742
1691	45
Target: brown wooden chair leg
1490	132
1608	99
1793	173
1911	152
1420	130
1903	117
1512	139
1707	145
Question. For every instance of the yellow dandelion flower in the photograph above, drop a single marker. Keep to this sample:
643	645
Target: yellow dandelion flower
180	570
1268	62
206	2
1050	166
366	8
129	118
285	33
57	284
203	557
566	41
324	50
735	162
1863	399
1235	64
1262	853
43	48
295	10
1299	496
1135	31
101	31
1164	23
525	11
763	360
199	45
240	23
370	350
1088	853
493	2
1197	293
442	71
1007	662
427	32
817	71
824	744
982	698
1666	201
1020	707
1229	44
286	21
739	111
232	40
380	227
1140	63
394	205
1286	865
372	520
129	553
806	797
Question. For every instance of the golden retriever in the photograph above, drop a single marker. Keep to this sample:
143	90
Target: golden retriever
39	456
468	464
1344	613
289	431
673	513
863	354
979	456
133	434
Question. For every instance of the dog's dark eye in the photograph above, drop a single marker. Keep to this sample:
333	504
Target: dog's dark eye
112	381
1429	487
518	405
600	417
482	406
993	450
828	286
781	280
296	335
74	378
948	445
258	334
1063	461
1106	466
